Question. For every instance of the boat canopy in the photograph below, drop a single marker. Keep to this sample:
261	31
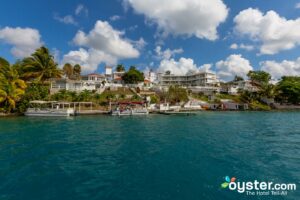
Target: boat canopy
129	103
42	102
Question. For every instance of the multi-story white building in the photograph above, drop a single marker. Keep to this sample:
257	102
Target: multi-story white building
196	79
197	82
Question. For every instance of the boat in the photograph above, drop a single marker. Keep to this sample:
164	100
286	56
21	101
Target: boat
129	108
140	111
49	109
119	112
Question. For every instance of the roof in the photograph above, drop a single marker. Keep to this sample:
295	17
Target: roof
129	102
42	102
95	74
147	81
118	78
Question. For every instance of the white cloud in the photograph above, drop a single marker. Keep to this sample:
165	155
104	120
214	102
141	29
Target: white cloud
24	41
68	19
115	18
104	45
180	67
89	59
284	68
103	37
198	18
139	44
166	54
56	54
234	46
242	46
297	6
81	9
206	68
275	33
234	64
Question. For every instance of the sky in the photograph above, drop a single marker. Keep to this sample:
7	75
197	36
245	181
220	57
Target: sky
228	37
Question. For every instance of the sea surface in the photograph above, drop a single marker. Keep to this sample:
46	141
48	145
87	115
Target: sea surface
153	157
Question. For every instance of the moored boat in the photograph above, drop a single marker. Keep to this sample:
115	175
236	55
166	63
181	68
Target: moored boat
49	109
129	108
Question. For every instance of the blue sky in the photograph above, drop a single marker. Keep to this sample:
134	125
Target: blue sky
56	23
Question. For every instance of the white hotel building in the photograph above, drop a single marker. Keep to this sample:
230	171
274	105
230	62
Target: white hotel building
197	82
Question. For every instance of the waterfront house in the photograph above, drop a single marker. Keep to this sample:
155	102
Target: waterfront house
91	82
234	87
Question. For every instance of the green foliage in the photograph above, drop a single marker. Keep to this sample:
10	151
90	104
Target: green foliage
154	99
248	97
234	98
256	105
34	91
68	70
261	78
40	66
289	90
200	96
77	71
237	78
120	68
12	88
136	97
133	76
85	96
177	94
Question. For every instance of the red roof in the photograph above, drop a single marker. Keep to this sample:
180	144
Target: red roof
95	74
118	78
129	102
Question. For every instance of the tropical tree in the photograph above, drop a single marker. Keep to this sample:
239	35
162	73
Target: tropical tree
40	66
120	68
12	88
85	95
133	76
289	90
168	72
260	78
237	78
68	70
34	91
77	71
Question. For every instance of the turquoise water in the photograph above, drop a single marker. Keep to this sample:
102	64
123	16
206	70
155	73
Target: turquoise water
151	157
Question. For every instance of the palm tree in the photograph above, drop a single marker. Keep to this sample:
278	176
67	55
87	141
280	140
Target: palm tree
40	66
120	68
12	88
77	71
68	70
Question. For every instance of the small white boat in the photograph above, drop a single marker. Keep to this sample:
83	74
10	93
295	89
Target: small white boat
49	109
141	111
130	108
118	112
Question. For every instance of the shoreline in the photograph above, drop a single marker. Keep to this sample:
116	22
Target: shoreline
105	113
